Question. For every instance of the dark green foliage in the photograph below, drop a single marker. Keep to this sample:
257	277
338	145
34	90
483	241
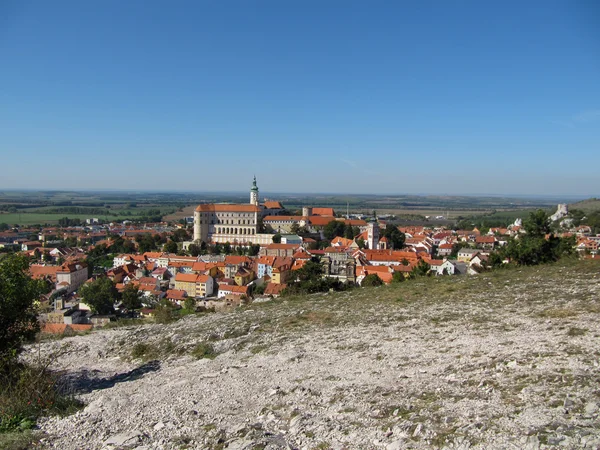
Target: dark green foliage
180	235
420	270
66	222
334	228
371	280
311	286
131	297
253	250
312	270
395	237
204	350
146	243
194	250
189	305
29	391
277	238
309	280
398	277
18	292
164	312
100	295
538	224
534	247
171	247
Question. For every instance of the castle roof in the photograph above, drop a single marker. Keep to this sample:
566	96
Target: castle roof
227	207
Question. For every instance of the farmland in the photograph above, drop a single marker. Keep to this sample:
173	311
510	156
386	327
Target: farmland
47	207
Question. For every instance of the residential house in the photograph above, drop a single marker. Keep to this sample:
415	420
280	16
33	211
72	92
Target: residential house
274	290
485	242
226	290
466	254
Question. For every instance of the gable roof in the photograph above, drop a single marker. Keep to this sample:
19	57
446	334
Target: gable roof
323	212
272	205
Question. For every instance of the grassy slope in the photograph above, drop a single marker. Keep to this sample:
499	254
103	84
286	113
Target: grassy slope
588	205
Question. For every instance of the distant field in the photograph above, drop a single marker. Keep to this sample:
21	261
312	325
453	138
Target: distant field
35	218
187	211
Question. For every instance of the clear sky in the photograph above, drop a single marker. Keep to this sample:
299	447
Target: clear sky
311	96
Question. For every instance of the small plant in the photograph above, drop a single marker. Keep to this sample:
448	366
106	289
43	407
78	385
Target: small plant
574	331
144	351
27	392
204	350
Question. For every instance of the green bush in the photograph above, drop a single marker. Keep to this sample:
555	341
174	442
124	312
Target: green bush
18	319
29	391
204	350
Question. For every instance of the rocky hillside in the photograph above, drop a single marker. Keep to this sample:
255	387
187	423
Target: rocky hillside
509	359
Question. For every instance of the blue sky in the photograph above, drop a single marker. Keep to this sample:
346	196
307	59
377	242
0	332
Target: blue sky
311	96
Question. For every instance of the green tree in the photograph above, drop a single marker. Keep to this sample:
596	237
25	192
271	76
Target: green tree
398	277
371	280
421	269
349	232
100	295
131	298
534	247
538	223
395	237
171	247
146	243
4	226
333	229
18	292
311	270
194	249
189	305
227	248
277	238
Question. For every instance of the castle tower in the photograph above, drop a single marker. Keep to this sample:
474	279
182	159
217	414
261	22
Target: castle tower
254	193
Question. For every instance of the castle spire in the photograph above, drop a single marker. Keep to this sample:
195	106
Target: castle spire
254	193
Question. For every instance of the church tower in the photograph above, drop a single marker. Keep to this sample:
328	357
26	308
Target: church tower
254	193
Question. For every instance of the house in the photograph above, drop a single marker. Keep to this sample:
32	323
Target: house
194	285
243	276
281	272
485	242
279	250
388	257
445	249
265	265
274	290
385	273
74	275
465	254
477	264
161	273
30	245
176	296
450	267
228	289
